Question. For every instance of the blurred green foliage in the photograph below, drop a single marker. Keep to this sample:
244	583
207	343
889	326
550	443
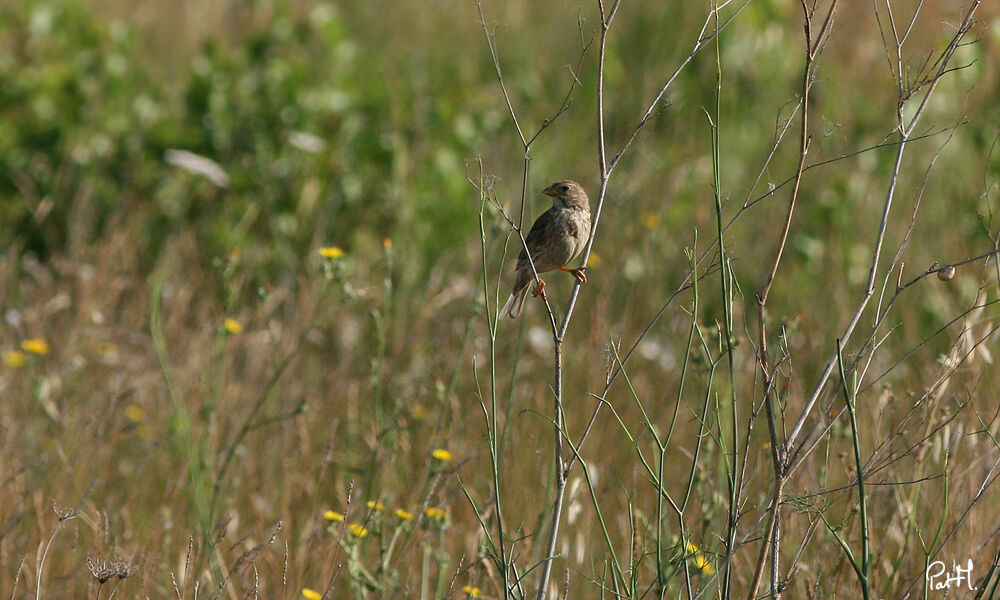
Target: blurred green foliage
311	138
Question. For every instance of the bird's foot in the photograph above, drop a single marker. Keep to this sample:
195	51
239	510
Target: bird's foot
538	290
578	273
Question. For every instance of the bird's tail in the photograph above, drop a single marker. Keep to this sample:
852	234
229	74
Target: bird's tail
516	301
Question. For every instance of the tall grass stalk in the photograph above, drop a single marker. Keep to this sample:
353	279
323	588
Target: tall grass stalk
200	494
850	397
497	548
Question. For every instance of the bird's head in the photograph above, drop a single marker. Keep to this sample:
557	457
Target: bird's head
567	194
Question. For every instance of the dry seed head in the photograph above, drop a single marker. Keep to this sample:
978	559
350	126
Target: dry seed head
123	568
103	568
63	513
100	568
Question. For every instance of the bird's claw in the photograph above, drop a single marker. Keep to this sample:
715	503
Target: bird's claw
538	290
577	273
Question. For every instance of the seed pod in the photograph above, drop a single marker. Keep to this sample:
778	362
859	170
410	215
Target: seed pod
946	273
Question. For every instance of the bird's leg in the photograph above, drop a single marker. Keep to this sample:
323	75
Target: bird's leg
578	273
539	289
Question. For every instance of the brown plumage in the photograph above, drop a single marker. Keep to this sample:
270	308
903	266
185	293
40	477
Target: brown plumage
557	236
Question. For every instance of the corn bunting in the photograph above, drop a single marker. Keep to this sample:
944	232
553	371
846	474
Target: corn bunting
557	236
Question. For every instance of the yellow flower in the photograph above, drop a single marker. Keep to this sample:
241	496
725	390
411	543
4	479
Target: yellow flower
333	516
442	455
387	243
233	326
595	260
14	358
135	413
434	513
403	515
35	346
358	530
373	505
649	220
107	349
331	252
309	594
702	563
472	591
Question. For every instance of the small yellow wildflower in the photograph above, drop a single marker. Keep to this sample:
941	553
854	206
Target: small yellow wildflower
233	326
472	592
135	413
442	455
373	505
333	516
702	563
35	346
387	243
403	515
358	530
331	252
14	358
434	513
649	220
691	547
309	594
595	260
108	350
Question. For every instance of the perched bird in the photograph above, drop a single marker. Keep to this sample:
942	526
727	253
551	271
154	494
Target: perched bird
557	236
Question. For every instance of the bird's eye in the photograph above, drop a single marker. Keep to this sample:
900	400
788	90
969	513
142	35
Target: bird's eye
564	188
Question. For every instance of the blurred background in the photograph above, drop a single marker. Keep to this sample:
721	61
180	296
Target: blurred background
205	394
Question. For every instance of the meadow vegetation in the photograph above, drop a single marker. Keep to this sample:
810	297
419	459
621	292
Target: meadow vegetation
254	254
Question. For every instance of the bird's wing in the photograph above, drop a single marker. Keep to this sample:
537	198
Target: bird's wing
540	231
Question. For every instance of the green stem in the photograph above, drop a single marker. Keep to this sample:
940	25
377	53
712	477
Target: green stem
725	274
850	391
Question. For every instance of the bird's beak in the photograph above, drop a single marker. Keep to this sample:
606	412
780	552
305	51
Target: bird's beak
550	191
